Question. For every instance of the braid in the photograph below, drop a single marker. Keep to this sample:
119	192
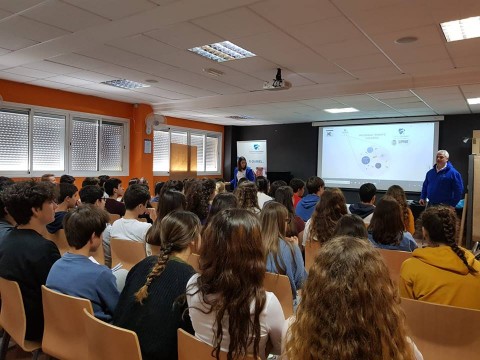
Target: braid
449	229
142	293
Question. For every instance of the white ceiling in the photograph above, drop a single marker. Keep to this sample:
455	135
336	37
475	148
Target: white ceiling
336	53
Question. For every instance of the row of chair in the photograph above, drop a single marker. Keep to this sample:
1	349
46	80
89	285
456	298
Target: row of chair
72	332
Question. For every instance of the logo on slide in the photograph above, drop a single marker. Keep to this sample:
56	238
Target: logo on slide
256	146
401	131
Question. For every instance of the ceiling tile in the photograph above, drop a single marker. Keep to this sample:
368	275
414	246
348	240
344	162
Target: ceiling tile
64	79
13	42
286	12
52	67
144	46
64	16
18	5
30	29
113	9
49	84
38	74
184	35
233	24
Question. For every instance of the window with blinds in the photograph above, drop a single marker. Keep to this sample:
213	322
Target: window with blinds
14	140
208	150
84	145
112	147
48	142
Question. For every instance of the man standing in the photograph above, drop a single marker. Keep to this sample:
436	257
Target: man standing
306	206
443	184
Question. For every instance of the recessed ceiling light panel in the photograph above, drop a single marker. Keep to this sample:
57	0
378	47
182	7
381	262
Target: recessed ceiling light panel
125	84
461	29
341	110
222	51
474	101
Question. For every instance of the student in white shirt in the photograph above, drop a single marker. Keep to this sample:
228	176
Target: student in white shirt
229	289
129	227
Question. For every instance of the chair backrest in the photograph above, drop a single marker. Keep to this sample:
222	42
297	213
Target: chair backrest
60	240
107	341
12	314
394	260
193	261
99	254
113	217
443	332
189	347
64	335
280	286
127	252
311	251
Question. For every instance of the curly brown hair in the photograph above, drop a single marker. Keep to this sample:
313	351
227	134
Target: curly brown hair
328	211
398	194
350	308
246	194
198	197
441	224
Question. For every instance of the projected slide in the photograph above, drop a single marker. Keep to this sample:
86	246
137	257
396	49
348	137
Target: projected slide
382	154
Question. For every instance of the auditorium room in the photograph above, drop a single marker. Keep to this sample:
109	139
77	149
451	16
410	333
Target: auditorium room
242	179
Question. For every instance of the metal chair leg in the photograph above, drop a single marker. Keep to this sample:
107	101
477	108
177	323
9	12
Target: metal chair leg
5	342
36	353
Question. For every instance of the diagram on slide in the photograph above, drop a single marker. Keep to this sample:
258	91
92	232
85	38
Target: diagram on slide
396	151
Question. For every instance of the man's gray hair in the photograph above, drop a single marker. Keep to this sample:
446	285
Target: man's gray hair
444	153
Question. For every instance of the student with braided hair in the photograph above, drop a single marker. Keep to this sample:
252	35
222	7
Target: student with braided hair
151	303
443	272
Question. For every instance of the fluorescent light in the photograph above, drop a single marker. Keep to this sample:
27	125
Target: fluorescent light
341	110
222	51
125	84
461	29
473	101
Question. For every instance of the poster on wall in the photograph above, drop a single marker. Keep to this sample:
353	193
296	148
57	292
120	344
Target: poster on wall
255	151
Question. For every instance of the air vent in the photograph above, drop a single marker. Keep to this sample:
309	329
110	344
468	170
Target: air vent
240	117
125	84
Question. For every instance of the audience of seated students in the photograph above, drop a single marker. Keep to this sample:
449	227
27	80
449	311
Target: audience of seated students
284	196
351	225
366	206
171	200
129	227
67	199
67	179
282	256
150	303
232	244
305	207
350	308
327	213
94	195
198	196
25	255
114	189
158	189
274	186
49	178
298	187
7	222
442	272
398	194
263	185
90	181
75	274
246	193
386	229
221	202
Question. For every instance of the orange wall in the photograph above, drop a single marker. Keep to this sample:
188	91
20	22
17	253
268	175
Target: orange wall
141	165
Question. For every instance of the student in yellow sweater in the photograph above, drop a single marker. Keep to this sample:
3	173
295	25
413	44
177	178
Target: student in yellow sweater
443	272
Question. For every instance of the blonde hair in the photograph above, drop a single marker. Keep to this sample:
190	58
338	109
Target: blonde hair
350	308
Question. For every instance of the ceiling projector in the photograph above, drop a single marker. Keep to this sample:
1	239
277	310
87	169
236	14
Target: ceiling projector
278	83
